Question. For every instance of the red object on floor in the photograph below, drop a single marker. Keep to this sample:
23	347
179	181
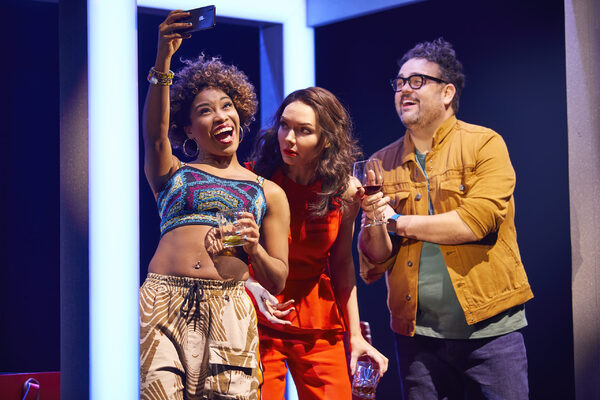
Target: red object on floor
11	386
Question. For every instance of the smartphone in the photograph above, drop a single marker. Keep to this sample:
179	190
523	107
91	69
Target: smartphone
201	18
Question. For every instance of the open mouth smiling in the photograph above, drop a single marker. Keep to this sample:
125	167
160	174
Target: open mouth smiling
224	134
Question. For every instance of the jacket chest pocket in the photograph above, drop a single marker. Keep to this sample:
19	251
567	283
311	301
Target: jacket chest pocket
401	202
451	193
407	197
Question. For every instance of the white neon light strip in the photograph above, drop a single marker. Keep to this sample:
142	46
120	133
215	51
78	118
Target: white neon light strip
113	199
298	38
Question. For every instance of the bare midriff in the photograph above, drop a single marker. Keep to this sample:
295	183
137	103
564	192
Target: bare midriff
187	251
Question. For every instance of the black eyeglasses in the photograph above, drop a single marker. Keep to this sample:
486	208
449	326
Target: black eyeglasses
414	81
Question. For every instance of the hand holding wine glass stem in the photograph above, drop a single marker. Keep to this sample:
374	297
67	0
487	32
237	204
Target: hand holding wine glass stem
372	187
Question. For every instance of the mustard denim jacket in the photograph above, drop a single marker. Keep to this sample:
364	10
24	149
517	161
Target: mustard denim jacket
469	171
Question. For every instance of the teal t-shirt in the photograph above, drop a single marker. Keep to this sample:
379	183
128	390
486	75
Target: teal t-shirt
439	313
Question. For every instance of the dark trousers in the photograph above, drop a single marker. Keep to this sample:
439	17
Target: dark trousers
455	369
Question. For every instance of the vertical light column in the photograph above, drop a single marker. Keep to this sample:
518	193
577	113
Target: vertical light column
291	392
298	52
113	199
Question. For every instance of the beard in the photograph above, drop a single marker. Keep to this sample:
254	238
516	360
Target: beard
421	117
410	119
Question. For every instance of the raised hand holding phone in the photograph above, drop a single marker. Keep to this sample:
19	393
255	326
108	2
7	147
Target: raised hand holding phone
170	35
200	19
180	24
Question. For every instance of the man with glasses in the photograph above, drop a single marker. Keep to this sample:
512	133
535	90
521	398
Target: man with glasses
455	279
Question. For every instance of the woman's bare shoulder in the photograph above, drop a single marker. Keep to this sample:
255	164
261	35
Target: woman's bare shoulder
273	190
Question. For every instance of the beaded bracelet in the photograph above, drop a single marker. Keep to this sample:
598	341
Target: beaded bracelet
160	78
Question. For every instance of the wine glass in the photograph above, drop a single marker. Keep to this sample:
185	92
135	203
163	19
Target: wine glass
370	174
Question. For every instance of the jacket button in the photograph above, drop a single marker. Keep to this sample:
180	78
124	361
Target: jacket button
418	196
408	297
409	263
461	187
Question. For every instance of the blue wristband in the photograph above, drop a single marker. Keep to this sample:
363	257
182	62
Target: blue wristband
395	217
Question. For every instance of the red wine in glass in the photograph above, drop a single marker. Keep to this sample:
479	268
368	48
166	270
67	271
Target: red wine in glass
371	189
370	174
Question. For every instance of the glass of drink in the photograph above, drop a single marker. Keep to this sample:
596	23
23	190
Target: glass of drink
370	174
228	228
365	380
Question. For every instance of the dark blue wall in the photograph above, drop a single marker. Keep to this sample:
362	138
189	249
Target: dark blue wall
29	288
513	54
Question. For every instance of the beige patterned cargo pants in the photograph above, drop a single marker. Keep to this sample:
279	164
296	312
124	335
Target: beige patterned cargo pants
198	340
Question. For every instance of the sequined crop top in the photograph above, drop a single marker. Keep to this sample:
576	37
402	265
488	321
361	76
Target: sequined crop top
193	197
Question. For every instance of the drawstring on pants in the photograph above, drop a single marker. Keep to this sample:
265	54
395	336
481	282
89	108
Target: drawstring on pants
192	300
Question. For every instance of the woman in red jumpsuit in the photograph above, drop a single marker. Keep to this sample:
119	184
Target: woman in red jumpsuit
309	151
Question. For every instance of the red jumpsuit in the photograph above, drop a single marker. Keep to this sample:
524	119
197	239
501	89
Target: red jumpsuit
312	346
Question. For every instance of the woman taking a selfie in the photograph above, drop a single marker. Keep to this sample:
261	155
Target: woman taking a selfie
197	324
309	151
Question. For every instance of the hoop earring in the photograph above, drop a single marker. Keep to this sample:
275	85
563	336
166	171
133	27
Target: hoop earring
187	142
241	135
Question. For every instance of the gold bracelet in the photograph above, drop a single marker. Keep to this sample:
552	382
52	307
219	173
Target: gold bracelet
160	78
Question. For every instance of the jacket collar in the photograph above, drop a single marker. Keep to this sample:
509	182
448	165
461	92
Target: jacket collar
443	131
408	148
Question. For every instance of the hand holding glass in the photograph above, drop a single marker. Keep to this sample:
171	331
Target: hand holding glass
370	174
365	380
229	229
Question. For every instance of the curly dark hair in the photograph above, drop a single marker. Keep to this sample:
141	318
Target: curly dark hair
440	52
199	74
337	145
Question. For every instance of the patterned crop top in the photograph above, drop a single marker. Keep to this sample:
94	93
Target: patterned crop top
193	197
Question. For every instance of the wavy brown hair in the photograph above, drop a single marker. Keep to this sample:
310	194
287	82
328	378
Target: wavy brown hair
203	73
338	147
